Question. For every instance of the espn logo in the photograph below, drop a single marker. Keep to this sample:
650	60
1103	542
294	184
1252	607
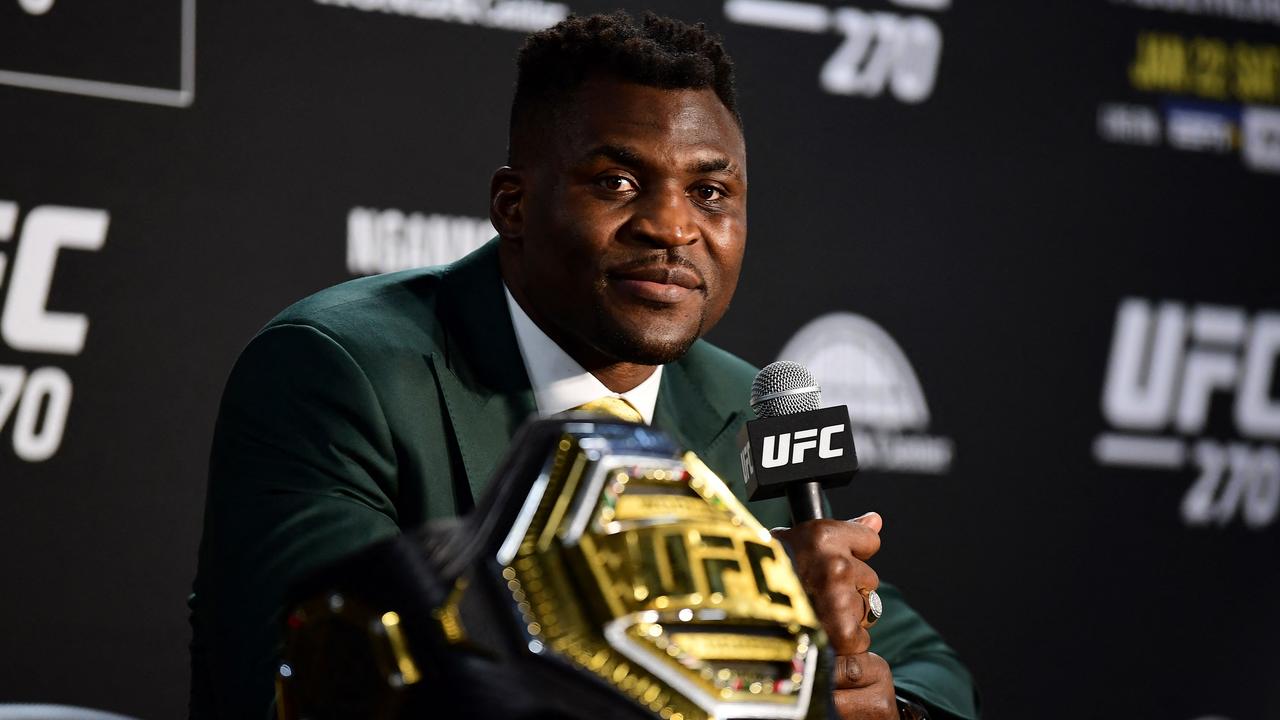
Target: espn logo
775	446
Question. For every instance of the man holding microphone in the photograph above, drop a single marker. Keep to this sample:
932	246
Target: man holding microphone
376	405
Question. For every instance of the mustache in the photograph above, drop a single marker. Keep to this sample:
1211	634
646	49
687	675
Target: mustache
665	261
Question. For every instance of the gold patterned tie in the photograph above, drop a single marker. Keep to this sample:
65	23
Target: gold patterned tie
614	406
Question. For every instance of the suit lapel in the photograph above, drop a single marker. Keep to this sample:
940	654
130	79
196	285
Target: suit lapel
480	372
684	411
704	413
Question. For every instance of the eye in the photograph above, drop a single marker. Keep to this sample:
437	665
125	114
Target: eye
617	183
708	193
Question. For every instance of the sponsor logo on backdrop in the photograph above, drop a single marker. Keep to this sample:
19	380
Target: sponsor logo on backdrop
381	241
1216	96
1199	128
1131	124
1260	143
522	15
892	54
35	400
1176	370
860	365
45	70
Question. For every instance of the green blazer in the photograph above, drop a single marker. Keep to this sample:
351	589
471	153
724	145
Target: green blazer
381	403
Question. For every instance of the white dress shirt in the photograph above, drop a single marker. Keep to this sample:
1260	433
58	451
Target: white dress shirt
559	382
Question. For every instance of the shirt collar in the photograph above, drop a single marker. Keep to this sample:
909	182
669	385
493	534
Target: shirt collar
559	382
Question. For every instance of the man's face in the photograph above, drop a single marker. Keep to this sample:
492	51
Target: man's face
633	221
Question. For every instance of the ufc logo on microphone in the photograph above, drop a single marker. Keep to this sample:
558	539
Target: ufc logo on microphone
790	448
815	445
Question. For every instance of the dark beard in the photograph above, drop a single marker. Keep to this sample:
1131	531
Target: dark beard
617	343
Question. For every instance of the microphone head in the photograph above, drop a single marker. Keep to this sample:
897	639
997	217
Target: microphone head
784	388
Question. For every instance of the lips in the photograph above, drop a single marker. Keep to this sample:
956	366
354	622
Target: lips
665	284
663	275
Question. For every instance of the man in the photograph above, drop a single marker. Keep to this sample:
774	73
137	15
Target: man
376	405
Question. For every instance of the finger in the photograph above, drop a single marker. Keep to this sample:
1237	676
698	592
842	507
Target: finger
859	670
862	704
842	620
874	695
834	536
841	608
871	520
839	578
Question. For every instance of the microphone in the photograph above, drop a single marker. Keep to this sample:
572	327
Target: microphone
795	447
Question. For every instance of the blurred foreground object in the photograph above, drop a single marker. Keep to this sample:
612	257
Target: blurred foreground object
604	574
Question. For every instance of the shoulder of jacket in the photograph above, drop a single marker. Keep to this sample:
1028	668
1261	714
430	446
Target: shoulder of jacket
378	313
360	295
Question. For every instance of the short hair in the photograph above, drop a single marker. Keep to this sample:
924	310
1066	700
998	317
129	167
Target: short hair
660	52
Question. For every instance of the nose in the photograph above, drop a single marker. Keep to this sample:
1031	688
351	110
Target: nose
664	219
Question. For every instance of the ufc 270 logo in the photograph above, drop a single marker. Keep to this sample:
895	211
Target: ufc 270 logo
780	449
1174	368
37	400
881	50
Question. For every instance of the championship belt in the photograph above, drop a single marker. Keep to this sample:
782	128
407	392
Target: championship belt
604	575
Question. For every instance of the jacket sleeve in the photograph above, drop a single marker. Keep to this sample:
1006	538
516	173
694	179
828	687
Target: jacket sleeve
924	667
302	472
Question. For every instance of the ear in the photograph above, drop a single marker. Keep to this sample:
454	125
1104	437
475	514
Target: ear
506	202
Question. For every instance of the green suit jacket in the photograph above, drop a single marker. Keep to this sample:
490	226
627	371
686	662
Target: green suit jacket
376	405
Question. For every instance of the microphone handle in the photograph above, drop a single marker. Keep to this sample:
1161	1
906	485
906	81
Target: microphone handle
805	499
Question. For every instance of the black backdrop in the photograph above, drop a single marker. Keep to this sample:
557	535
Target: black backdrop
1047	232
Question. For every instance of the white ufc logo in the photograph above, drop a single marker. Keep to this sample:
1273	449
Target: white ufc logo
779	450
26	323
39	399
1169	361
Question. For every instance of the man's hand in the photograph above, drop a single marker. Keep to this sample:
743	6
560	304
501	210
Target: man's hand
830	558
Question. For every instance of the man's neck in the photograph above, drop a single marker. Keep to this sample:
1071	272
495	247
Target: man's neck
619	377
